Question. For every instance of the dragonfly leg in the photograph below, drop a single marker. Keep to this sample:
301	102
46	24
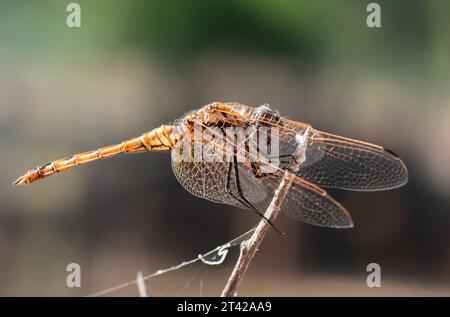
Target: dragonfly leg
241	194
287	162
238	184
239	197
287	155
290	156
257	170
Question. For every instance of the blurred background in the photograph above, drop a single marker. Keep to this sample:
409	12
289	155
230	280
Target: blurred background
134	65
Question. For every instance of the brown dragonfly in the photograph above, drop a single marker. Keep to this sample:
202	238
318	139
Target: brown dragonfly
235	169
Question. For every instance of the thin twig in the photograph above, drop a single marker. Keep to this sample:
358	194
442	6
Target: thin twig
249	247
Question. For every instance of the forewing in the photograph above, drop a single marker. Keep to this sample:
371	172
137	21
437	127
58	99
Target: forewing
339	162
354	165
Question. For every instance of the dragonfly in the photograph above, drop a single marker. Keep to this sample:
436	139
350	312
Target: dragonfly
238	171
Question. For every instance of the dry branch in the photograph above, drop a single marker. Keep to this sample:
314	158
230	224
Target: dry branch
249	247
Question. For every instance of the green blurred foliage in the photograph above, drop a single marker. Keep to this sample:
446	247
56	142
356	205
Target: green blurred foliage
181	30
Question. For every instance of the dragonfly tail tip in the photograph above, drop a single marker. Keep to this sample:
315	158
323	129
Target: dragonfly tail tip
23	180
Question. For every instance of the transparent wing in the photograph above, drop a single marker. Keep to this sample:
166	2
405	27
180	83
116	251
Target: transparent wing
328	161
210	180
339	162
304	201
352	164
332	160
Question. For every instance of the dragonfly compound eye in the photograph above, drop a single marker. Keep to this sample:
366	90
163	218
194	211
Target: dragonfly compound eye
265	116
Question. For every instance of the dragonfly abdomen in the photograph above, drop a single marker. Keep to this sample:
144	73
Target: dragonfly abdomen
161	138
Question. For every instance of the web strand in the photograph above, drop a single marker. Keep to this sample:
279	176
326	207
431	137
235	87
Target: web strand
221	250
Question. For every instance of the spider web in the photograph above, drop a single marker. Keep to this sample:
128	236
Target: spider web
213	257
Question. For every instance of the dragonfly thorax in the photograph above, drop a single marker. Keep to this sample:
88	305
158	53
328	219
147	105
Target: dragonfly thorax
217	115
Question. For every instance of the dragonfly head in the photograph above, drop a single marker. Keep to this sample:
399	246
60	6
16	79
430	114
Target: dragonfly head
266	116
